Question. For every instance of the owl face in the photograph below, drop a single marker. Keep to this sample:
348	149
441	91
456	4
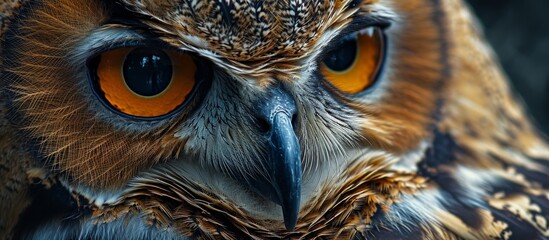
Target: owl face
271	95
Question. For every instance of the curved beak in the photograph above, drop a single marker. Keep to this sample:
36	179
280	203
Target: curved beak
284	160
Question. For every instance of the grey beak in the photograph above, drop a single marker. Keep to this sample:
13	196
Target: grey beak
284	160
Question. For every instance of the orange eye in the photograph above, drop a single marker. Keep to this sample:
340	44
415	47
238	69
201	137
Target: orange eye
145	82
353	67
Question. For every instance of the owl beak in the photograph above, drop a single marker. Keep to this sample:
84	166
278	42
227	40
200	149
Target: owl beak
284	161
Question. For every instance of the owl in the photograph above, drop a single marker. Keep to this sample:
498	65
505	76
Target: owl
241	119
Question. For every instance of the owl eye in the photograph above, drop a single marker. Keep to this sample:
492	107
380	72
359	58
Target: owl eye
144	82
354	66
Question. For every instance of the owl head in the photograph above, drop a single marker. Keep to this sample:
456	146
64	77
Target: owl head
259	101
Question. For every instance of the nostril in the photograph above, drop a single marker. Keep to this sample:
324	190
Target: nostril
263	124
294	121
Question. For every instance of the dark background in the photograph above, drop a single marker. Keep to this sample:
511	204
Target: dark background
519	32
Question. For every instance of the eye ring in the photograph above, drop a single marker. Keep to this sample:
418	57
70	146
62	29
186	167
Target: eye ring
96	66
355	65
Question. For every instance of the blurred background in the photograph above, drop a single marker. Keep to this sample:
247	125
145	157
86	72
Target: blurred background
519	32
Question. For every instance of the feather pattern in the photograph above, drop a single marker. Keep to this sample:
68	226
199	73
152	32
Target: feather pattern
440	149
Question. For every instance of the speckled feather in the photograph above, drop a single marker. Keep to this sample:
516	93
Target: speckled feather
447	152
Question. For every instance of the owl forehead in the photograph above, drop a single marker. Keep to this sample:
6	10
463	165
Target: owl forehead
251	37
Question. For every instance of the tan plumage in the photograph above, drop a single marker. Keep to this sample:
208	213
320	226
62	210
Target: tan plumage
439	149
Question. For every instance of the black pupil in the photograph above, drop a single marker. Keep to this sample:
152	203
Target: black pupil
342	58
147	72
